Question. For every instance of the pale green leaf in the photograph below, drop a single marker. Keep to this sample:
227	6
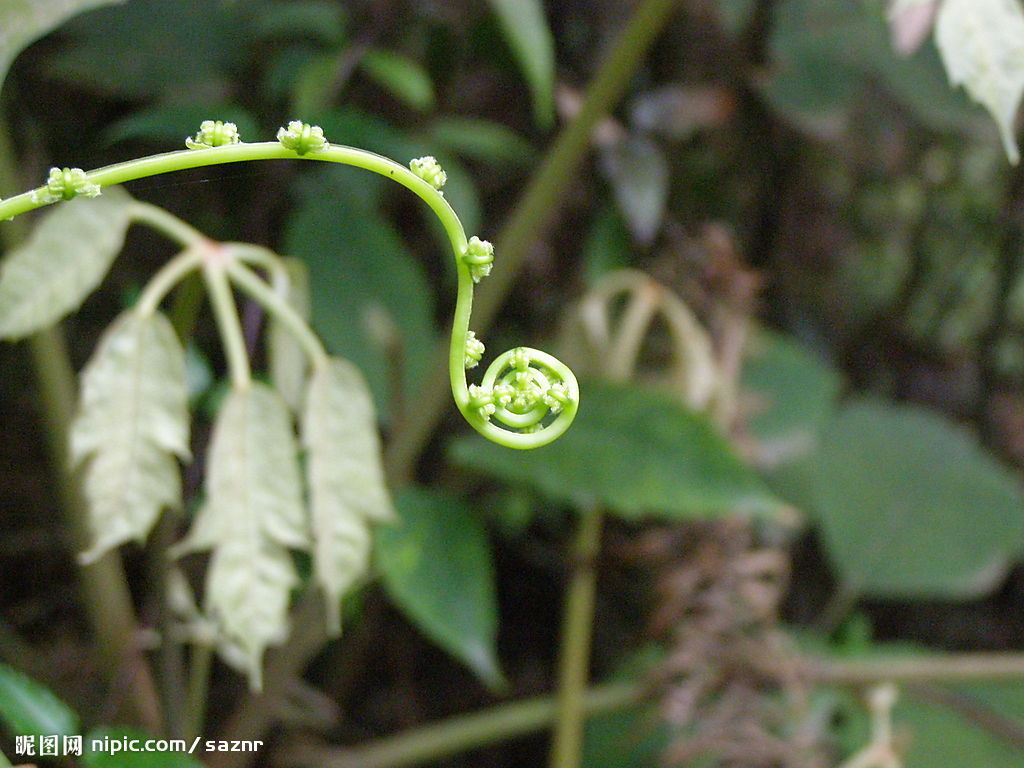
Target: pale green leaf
982	46
27	707
345	477
530	39
132	421
287	360
4	762
23	21
436	564
63	261
637	453
405	78
252	515
910	506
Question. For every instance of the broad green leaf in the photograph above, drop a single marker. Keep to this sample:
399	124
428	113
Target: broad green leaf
369	294
639	176
982	45
118	735
910	506
529	37
28	708
132	422
23	21
636	452
287	360
345	478
4	762
252	516
399	74
436	564
788	395
63	261
483	140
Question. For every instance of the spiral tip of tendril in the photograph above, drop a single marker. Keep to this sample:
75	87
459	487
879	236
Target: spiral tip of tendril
302	138
474	350
479	256
428	169
65	184
214	133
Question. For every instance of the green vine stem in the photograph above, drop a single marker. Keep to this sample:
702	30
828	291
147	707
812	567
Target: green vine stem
527	398
574	656
172	273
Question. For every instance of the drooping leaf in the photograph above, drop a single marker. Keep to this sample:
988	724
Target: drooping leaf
63	261
130	759
345	478
132	422
436	565
27	707
636	452
529	37
982	45
402	76
287	360
252	515
23	21
639	176
910	506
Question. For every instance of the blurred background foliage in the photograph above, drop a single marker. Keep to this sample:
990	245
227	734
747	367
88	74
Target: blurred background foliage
824	443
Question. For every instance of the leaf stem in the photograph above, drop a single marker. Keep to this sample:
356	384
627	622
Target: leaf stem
226	314
574	657
167	223
169	276
277	306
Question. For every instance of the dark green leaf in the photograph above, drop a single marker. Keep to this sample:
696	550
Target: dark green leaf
529	37
482	140
104	49
319	20
635	452
405	78
172	122
910	505
125	759
368	292
28	708
22	21
436	565
790	395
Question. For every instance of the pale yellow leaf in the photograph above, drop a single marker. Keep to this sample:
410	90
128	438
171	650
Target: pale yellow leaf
288	361
63	261
252	515
132	423
345	476
982	46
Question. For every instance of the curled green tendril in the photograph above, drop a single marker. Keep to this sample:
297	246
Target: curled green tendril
302	138
214	133
526	398
428	169
65	184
